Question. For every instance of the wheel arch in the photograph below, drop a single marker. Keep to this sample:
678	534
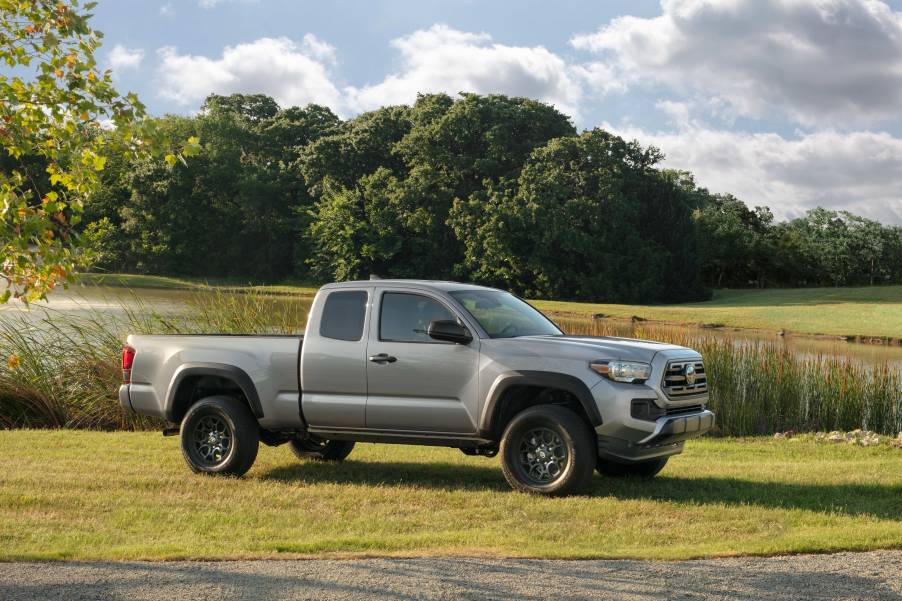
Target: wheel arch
221	377
526	382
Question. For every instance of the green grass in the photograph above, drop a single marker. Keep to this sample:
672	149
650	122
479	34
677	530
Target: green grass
123	496
872	311
127	280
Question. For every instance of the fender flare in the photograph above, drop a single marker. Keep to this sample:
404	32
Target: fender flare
221	370
545	379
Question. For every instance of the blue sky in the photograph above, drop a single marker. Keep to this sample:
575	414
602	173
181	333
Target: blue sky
786	103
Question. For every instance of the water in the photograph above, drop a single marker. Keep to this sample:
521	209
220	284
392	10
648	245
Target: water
112	301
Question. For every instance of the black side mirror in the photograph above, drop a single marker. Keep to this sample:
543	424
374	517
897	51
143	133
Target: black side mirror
449	331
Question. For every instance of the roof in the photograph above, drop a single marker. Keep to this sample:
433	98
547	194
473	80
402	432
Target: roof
443	286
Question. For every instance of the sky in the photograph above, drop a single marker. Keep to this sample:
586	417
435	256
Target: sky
790	104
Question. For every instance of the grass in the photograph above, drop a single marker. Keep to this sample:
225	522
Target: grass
874	311
62	370
128	280
124	496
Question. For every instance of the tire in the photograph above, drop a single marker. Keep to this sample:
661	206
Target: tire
219	435
557	433
325	450
641	469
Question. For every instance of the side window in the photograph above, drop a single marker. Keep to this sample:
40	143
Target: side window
405	317
343	315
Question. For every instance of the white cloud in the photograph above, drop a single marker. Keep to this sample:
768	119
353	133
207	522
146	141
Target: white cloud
442	59
318	49
167	10
858	171
121	58
818	62
291	73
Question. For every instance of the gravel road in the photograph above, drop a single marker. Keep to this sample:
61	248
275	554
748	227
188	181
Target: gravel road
854	576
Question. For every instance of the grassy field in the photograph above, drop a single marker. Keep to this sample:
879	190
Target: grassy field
871	311
91	495
127	280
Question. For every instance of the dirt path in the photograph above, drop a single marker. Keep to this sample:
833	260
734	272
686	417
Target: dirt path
853	576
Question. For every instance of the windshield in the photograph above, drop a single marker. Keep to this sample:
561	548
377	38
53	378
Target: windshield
503	315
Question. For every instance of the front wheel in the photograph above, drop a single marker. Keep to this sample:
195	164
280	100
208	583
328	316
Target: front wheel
641	469
549	450
219	435
321	450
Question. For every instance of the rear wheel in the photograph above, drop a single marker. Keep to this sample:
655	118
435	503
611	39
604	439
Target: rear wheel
321	450
548	450
219	435
641	469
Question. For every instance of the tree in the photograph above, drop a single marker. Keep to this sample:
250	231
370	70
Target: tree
588	218
735	242
51	109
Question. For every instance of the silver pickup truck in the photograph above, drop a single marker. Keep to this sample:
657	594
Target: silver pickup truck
423	362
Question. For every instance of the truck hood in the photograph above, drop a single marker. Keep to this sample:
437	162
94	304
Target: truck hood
600	347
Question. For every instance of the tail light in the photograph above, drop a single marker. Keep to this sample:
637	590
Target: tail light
128	357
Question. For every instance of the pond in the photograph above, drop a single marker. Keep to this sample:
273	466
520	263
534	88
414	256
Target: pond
116	301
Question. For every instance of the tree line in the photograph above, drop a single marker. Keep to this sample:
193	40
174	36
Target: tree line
491	189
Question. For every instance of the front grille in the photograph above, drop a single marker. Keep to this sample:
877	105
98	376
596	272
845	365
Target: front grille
676	382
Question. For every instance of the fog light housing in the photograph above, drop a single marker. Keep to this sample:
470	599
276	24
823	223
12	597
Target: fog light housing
645	409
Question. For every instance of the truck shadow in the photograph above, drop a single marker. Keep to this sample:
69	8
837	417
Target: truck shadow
877	500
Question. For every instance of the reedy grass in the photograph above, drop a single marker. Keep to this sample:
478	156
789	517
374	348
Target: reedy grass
61	369
763	388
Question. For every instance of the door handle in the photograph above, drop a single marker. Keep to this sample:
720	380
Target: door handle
383	358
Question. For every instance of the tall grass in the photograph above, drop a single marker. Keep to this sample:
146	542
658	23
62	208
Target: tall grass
61	369
762	388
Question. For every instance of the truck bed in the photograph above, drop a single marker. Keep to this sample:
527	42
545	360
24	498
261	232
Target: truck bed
265	365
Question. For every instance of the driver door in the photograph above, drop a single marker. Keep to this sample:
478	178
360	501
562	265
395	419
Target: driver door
415	383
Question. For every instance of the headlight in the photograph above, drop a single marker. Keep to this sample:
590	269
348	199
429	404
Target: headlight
622	371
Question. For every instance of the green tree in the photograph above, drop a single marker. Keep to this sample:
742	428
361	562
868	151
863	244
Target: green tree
52	103
588	218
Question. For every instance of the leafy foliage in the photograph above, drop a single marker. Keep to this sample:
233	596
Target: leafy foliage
53	102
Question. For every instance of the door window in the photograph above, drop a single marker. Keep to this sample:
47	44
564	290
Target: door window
343	315
405	317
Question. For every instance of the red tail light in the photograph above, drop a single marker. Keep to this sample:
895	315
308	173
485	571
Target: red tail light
128	357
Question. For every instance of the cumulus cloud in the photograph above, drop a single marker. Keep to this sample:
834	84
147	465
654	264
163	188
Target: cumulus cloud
858	171
121	58
818	62
442	59
291	73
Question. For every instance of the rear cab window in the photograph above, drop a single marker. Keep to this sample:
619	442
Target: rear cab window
343	315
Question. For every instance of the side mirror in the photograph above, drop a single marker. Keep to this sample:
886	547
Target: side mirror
449	331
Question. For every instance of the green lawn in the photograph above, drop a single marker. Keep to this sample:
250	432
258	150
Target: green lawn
127	280
871	311
90	495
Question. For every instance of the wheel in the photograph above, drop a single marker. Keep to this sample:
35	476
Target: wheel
548	450
642	469
220	436
321	450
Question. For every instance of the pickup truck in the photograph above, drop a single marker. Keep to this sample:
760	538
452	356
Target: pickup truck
425	362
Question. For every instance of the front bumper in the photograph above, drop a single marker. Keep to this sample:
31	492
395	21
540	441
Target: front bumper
666	439
678	428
